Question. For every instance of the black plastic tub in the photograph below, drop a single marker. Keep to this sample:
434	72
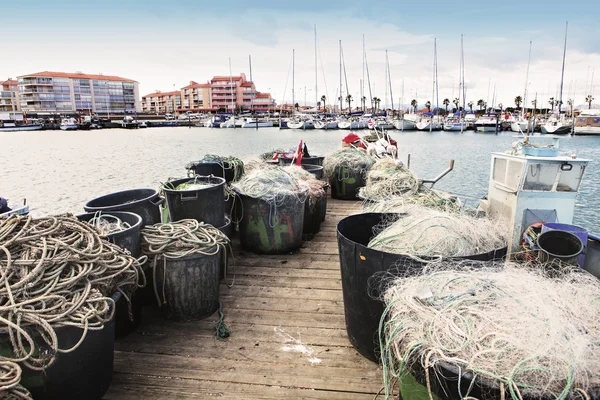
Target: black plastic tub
316	170
345	183
221	170
559	245
358	263
227	229
324	203
188	287
143	202
312	217
129	240
266	228
205	204
304	161
84	373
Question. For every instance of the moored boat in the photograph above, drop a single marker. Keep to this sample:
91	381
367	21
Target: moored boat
256	123
68	124
487	123
588	122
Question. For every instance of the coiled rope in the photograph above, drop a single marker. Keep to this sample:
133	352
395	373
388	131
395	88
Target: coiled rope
57	272
227	163
180	239
10	376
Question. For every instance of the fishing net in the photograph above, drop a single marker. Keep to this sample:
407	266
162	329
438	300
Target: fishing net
196	183
516	329
226	163
388	178
424	197
107	224
57	272
268	155
313	186
428	232
349	159
272	184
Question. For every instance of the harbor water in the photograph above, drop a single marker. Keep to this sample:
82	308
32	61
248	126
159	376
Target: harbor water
59	171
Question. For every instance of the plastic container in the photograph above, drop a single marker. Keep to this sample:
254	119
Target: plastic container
266	228
316	170
227	229
345	184
128	239
143	202
221	170
559	245
540	151
324	202
578	231
206	204
84	373
190	286
312	217
304	161
358	263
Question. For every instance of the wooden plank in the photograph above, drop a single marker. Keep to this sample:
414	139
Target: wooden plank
276	305
283	293
134	387
291	282
285	270
297	262
357	380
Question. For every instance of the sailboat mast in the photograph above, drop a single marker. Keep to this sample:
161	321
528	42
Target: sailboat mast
316	74
526	82
433	88
368	79
341	96
362	83
293	82
462	57
389	80
437	92
562	74
386	81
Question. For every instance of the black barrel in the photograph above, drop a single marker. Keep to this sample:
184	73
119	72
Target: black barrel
221	170
358	263
316	170
312	217
345	183
84	373
266	228
324	203
205	204
190	286
143	202
227	229
304	161
559	245
129	240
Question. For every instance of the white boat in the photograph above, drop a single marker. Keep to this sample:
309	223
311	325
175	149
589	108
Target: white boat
142	124
68	124
408	122
232	122
557	125
487	123
326	124
588	122
256	123
301	123
470	119
129	123
523	125
454	123
429	124
354	123
12	127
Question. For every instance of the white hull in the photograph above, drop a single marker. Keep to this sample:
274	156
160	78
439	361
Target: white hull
522	126
385	125
556	129
261	124
33	127
301	125
486	128
405	125
455	127
428	125
326	125
68	127
587	130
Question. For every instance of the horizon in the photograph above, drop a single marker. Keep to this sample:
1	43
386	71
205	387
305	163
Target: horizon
164	46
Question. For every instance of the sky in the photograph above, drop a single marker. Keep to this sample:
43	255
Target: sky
165	44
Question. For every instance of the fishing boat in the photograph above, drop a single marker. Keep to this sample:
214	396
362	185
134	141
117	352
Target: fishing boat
14	127
487	123
129	123
588	122
68	124
19	210
249	122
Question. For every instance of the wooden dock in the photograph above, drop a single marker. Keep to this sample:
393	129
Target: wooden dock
288	336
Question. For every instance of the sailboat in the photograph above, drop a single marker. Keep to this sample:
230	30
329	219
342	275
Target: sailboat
430	121
456	122
522	123
559	124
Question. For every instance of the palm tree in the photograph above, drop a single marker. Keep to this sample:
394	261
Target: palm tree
349	101
470	104
481	104
414	104
456	103
340	100
551	102
363	100
428	105
589	99
518	101
446	102
318	105
297	106
323	99
501	106
376	101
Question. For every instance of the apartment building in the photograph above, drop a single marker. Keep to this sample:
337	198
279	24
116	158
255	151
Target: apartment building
162	102
78	92
9	95
196	97
237	93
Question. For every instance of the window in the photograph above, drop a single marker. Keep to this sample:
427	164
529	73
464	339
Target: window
570	177
540	177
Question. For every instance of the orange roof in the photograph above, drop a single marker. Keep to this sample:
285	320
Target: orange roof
9	82
226	78
77	75
196	85
246	84
263	95
161	94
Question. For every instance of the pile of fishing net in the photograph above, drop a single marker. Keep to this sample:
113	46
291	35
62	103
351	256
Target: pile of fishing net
272	184
388	178
195	183
347	160
520	331
313	186
107	224
429	232
57	272
268	155
425	197
226	163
